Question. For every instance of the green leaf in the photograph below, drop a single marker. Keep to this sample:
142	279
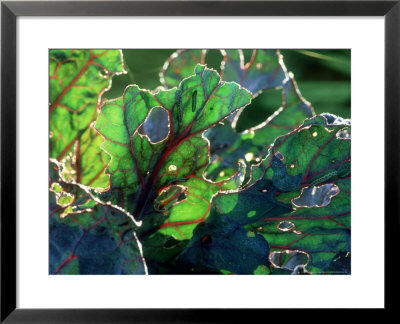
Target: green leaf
298	201
98	242
78	78
265	69
93	160
168	200
310	168
157	149
227	146
194	208
223	242
87	237
161	252
180	65
140	169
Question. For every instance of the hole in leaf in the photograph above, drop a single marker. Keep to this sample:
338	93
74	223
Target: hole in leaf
172	168
103	74
156	125
260	108
289	260
344	134
335	120
285	226
316	196
300	270
169	197
249	156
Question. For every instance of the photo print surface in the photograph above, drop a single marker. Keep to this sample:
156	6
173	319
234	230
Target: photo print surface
199	161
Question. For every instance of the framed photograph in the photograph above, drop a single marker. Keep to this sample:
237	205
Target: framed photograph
197	158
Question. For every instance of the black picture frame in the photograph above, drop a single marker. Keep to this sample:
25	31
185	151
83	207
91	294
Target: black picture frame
10	10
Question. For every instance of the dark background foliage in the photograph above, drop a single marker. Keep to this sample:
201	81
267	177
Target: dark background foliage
323	77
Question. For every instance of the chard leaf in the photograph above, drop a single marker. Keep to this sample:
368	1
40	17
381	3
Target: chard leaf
180	209
308	239
158	155
227	146
180	65
98	242
141	169
310	168
194	208
87	237
265	70
223	242
89	161
78	78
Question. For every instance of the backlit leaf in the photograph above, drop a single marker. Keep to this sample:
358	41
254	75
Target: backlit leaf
78	78
147	161
180	65
310	168
87	237
227	146
184	216
264	70
139	167
301	239
223	242
160	182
